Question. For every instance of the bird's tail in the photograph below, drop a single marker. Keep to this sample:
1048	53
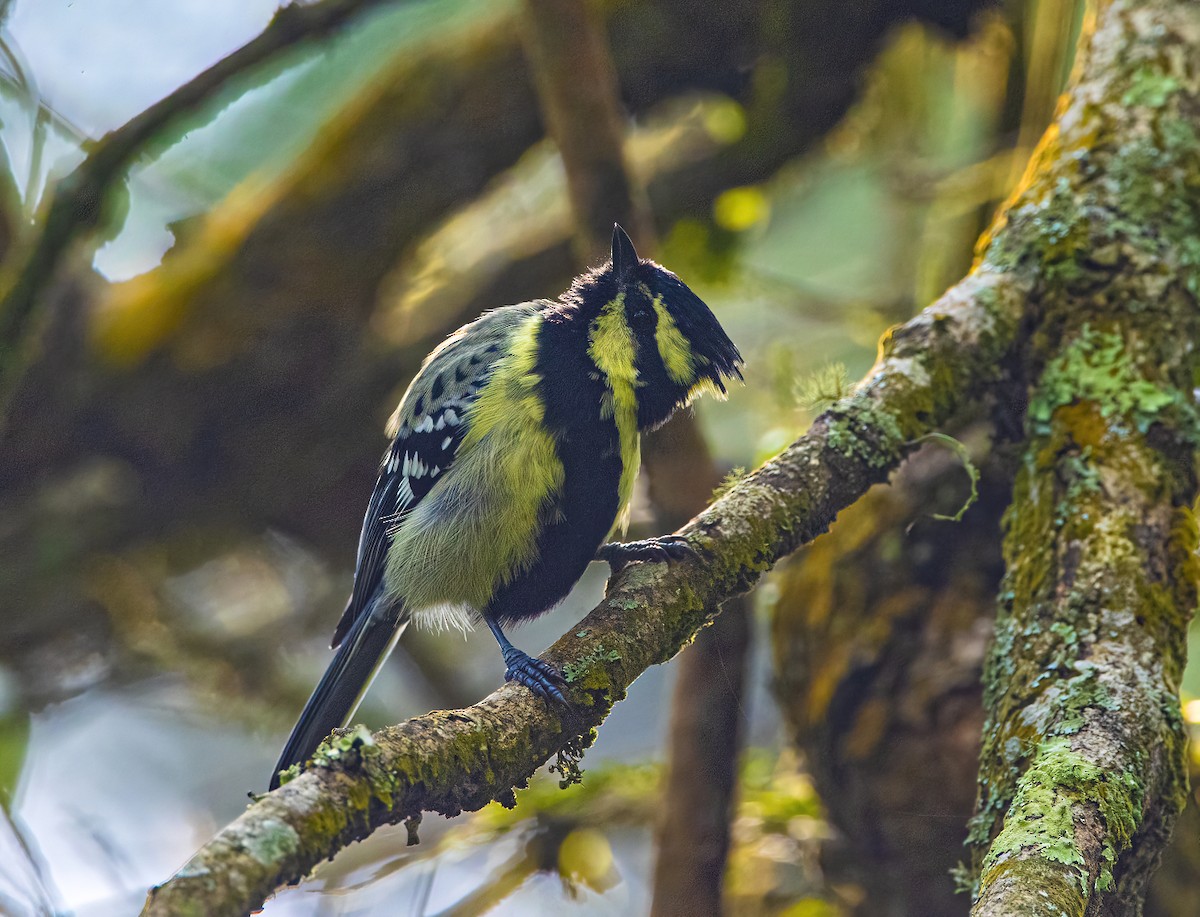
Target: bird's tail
355	664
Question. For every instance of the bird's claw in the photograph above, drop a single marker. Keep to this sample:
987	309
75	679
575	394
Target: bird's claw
662	550
543	679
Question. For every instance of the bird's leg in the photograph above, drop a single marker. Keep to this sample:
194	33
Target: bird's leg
662	549
539	677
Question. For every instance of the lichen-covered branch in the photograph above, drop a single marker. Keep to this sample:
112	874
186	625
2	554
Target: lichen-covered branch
76	205
451	761
1082	772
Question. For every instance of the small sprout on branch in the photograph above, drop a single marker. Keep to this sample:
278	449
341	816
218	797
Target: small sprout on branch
822	388
287	776
729	482
969	466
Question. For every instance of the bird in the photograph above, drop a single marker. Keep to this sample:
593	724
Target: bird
513	458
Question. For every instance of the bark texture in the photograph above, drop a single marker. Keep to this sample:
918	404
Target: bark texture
1082	772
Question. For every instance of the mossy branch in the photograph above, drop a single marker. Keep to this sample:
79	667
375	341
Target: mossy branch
451	761
1082	771
76	206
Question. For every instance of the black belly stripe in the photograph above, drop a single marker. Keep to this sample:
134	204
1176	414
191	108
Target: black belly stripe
590	451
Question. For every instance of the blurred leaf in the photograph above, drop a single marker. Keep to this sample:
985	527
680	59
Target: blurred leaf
738	209
260	123
586	855
14	738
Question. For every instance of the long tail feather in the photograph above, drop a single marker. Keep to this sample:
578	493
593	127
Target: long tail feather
355	664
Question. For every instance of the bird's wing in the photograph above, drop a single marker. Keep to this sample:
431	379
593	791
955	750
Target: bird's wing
428	429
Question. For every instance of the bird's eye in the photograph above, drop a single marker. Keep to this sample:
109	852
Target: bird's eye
641	318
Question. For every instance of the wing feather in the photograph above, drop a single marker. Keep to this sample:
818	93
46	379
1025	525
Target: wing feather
428	429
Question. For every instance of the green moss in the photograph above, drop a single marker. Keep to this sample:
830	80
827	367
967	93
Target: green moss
356	741
1042	817
1052	699
325	822
1028	526
849	426
576	670
1049	230
290	774
272	841
1097	366
1148	198
1156	177
1083	488
1060	711
1150	87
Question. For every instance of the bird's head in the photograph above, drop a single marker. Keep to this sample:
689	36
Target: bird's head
647	328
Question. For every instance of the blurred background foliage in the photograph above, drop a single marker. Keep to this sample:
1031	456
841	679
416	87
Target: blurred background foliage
187	460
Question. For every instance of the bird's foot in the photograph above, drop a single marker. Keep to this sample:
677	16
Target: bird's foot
661	550
543	679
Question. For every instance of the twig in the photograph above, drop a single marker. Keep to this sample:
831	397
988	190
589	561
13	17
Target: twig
1083	765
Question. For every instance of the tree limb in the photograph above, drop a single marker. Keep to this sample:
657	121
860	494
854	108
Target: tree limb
1082	772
